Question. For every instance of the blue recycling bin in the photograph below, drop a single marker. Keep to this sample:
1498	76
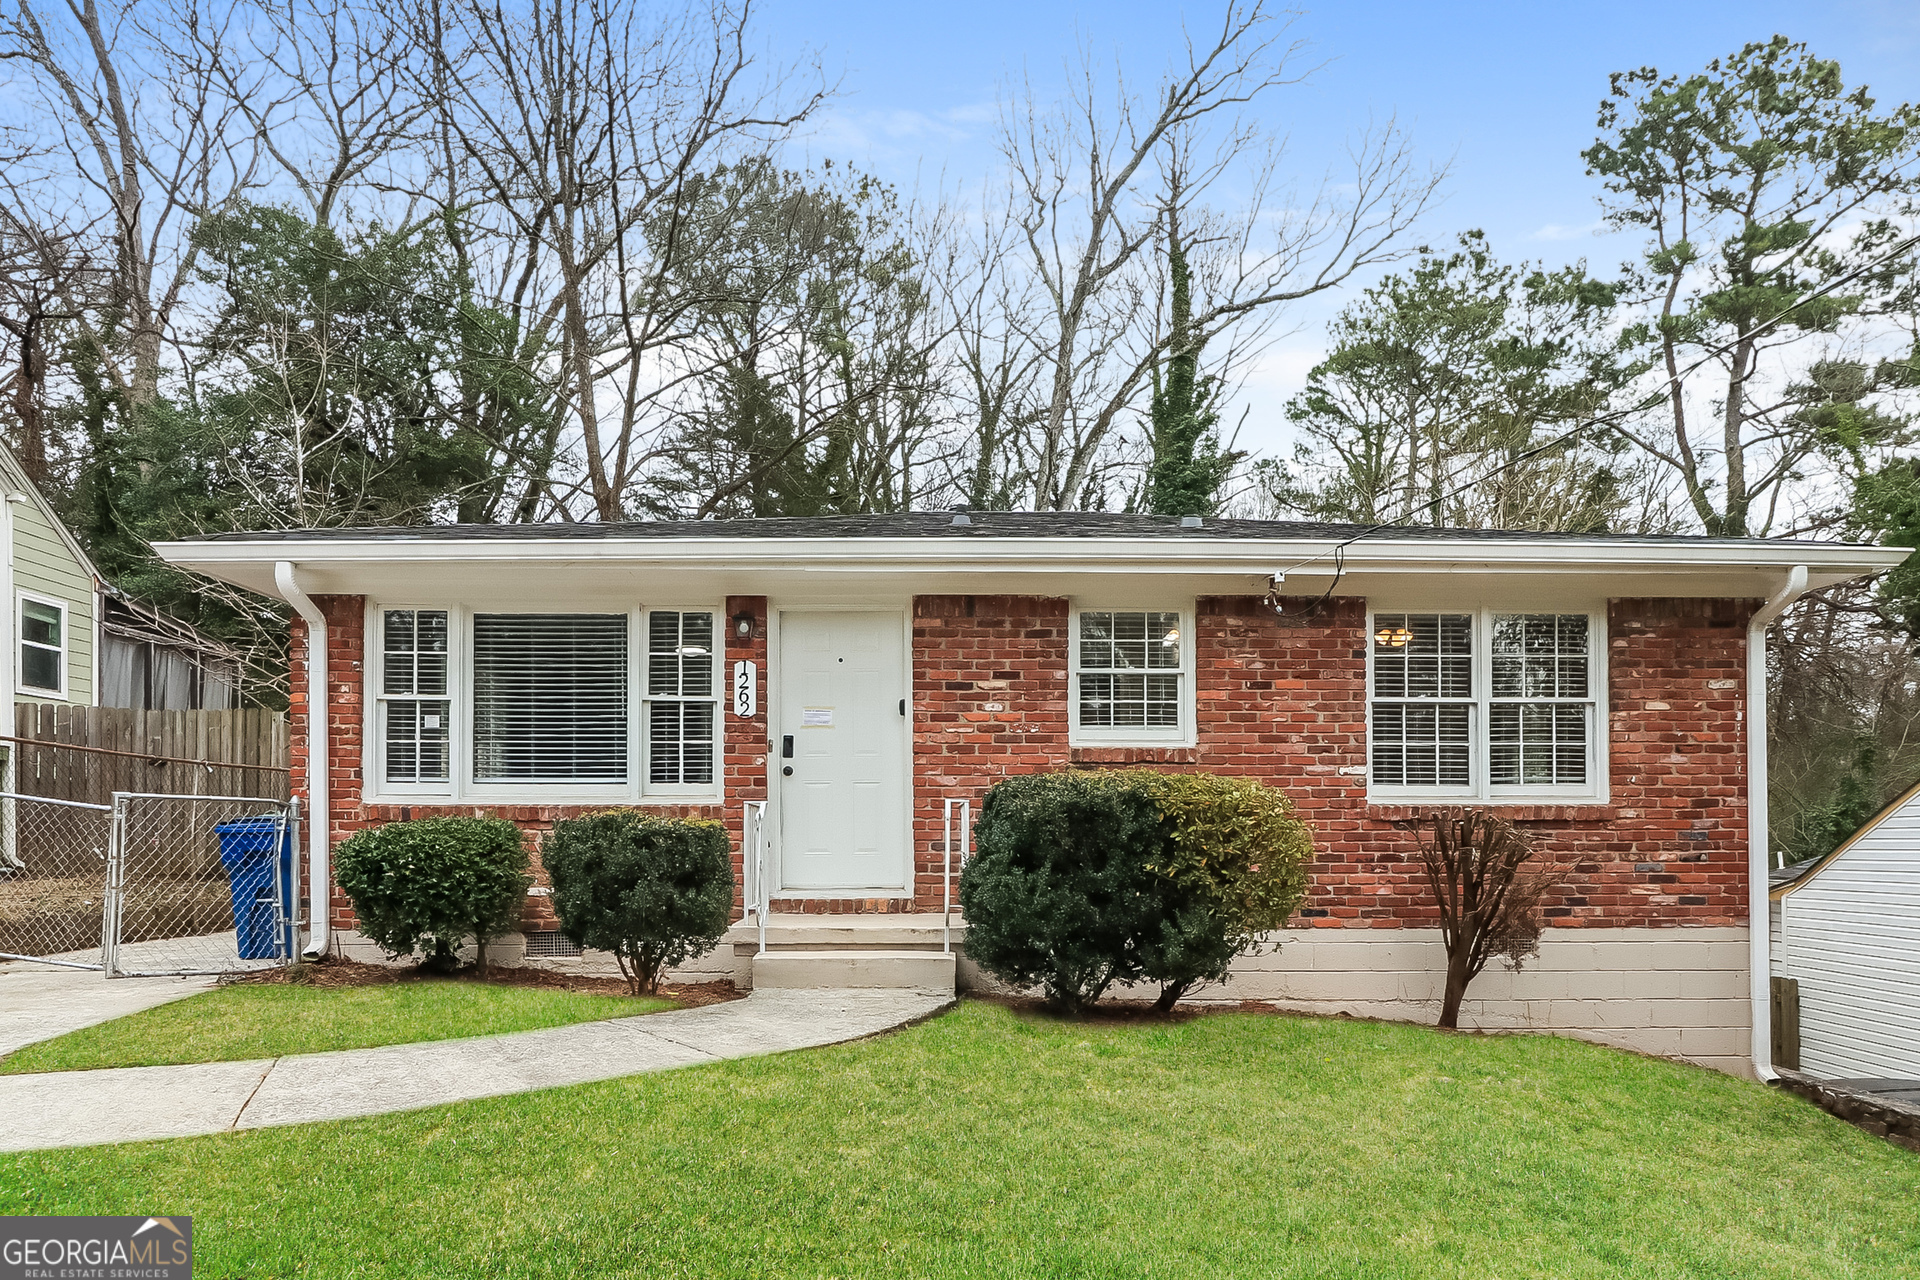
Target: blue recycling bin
265	932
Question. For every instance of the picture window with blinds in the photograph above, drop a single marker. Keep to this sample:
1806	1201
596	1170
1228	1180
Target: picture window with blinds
1131	676
550	697
1484	704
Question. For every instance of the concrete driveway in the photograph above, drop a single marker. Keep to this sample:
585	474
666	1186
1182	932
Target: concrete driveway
41	1001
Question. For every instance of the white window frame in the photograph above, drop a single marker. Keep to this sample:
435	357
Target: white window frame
1181	735
461	785
715	698
20	643
377	699
1480	786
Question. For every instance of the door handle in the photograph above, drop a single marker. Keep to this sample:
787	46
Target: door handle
786	771
786	747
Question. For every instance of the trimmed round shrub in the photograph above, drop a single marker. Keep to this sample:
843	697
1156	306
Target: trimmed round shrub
1059	892
430	884
1086	879
655	891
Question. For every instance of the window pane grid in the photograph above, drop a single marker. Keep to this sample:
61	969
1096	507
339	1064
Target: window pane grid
1423	744
1534	743
1540	656
1130	668
681	713
1423	655
416	729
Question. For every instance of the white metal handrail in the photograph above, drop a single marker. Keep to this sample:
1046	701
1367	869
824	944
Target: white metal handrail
758	897
965	807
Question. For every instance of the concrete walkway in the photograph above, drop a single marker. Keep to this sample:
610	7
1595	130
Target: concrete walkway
129	1104
41	1001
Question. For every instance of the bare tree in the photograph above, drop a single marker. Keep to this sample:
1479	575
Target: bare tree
1087	210
126	156
324	86
42	272
579	124
1488	887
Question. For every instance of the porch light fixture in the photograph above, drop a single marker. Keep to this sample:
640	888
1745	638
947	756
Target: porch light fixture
743	625
1392	637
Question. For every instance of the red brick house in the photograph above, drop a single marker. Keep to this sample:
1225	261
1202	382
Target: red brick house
833	683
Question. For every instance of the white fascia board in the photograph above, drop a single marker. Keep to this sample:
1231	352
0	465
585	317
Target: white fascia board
1833	562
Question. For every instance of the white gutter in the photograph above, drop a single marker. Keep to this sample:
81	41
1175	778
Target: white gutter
1255	557
1759	929
319	824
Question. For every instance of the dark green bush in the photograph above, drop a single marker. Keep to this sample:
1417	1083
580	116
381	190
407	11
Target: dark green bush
654	891
430	884
1086	879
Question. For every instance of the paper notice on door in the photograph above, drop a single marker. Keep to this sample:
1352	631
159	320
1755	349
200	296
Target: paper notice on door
816	717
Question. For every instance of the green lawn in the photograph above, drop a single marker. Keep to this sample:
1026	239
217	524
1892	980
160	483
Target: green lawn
987	1144
258	1021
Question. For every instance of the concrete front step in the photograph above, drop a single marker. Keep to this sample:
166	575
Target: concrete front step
929	971
793	931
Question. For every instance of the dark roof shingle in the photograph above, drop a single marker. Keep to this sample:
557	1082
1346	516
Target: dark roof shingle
939	524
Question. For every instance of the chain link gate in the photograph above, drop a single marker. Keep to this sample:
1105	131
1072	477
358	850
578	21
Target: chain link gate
200	884
53	877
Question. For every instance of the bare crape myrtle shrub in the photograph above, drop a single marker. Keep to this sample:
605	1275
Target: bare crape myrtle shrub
1487	880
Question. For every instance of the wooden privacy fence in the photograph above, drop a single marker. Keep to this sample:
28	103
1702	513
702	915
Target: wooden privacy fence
88	753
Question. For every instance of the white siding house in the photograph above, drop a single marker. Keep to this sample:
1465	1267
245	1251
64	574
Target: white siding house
1848	932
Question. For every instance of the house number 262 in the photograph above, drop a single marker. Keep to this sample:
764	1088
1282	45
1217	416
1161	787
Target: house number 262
745	685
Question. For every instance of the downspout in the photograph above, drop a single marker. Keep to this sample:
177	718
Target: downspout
1759	929
319	846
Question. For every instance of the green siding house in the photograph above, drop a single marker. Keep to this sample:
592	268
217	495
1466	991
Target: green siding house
53	622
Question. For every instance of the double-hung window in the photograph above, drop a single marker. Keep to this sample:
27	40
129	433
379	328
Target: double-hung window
683	699
1485	704
43	646
1132	676
415	714
589	705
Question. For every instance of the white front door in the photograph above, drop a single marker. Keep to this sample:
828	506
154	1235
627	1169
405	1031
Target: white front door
841	749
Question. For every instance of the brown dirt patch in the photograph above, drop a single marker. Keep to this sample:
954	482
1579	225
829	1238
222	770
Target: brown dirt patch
334	972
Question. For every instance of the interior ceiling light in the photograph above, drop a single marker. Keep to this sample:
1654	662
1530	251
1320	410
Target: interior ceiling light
1392	637
1171	638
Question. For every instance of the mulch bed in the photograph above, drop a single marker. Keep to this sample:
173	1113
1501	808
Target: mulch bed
335	972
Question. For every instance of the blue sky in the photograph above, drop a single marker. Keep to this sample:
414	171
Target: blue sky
1505	92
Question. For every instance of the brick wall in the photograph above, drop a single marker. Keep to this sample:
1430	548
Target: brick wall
1282	699
989	700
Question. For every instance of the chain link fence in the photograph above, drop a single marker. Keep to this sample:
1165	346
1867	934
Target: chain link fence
53	878
200	884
